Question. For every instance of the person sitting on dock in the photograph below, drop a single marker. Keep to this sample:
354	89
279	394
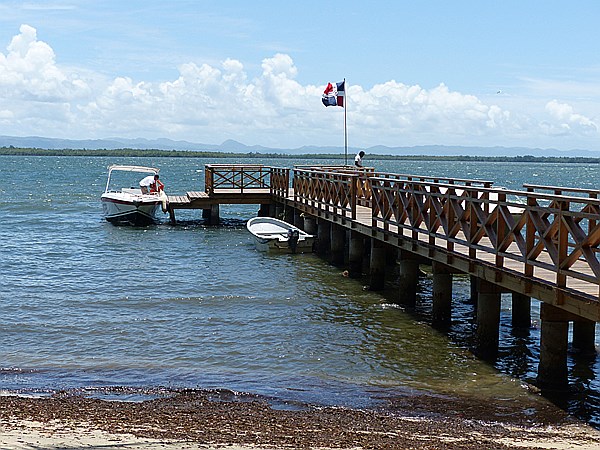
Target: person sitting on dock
147	183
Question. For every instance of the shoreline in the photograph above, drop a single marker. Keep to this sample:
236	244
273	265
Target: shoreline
221	154
197	419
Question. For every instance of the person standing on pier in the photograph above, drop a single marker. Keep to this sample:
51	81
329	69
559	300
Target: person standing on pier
358	159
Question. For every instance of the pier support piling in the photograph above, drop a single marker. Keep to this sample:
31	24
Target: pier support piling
288	214
298	219
279	211
338	243
474	281
391	255
377	267
323	237
356	254
408	279
367	254
265	210
552	368
521	310
310	225
488	319
584	336
211	215
442	294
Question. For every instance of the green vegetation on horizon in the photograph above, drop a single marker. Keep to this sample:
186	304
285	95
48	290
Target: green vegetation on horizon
154	153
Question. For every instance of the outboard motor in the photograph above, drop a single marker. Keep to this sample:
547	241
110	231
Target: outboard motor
293	236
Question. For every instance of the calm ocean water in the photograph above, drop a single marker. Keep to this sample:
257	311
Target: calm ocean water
85	304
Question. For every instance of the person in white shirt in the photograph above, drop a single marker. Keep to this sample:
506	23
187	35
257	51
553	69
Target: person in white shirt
358	159
147	182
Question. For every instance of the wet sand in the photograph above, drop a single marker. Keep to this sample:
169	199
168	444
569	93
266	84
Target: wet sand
204	419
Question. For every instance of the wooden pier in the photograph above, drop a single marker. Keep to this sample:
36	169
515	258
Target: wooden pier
233	185
541	242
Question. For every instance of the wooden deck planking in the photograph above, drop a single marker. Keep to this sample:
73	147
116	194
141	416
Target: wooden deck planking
178	199
197	194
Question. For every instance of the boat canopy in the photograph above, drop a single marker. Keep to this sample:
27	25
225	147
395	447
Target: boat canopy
133	169
139	169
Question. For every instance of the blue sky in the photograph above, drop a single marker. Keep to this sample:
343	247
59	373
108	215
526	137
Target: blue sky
471	73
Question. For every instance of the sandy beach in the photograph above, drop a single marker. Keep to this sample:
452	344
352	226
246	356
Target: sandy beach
194	420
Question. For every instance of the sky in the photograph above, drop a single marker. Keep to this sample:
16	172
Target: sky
469	73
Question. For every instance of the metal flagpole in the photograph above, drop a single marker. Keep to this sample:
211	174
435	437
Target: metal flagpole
345	129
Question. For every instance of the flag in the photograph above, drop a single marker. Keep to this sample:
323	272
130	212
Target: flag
341	92
334	96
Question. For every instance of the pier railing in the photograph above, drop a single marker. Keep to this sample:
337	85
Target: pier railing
362	178
331	191
365	174
367	186
546	237
557	190
246	177
280	182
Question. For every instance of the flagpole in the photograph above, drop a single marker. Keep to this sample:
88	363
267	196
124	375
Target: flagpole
345	129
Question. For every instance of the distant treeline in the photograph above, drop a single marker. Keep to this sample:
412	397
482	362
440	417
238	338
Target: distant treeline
155	153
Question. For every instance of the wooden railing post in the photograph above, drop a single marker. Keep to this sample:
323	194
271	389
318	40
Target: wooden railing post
472	220
353	195
500	229
529	234
450	217
287	182
592	222
295	186
563	248
208	180
486	195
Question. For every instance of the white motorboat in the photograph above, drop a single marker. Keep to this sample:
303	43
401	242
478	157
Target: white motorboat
276	235
129	204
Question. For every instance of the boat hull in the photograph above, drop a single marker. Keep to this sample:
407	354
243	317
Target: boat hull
273	235
277	246
135	212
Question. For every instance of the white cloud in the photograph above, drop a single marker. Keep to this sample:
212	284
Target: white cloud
28	71
401	109
566	121
212	103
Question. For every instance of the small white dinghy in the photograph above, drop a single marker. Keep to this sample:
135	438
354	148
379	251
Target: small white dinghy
276	235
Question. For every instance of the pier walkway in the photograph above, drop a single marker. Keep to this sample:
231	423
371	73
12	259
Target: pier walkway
541	242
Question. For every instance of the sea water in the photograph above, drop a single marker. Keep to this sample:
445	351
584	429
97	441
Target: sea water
88	305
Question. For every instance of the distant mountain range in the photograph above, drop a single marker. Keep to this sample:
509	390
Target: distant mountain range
232	146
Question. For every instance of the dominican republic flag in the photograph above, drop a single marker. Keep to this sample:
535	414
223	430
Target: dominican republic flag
334	96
